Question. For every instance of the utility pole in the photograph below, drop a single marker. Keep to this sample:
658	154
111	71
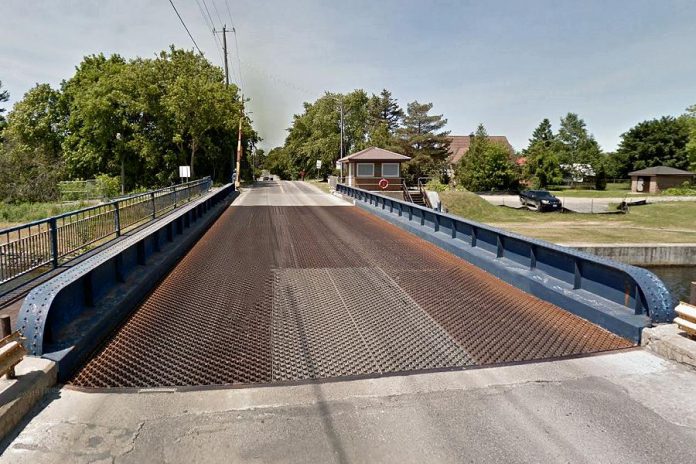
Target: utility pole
227	84
341	127
239	146
224	48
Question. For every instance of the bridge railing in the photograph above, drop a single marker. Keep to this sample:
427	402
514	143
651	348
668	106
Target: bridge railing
550	271
32	249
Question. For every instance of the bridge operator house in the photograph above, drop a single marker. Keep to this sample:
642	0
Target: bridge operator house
373	169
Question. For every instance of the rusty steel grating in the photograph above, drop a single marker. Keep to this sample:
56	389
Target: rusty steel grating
292	293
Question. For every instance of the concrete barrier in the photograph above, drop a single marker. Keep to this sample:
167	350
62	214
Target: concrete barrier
67	318
643	254
621	298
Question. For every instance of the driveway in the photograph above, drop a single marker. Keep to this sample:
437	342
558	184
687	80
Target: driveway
585	205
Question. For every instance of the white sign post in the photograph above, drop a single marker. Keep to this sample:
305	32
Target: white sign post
318	164
185	172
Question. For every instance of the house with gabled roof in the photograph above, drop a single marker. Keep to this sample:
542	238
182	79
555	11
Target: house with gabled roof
373	169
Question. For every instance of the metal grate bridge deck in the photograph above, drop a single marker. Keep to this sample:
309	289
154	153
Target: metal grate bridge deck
287	293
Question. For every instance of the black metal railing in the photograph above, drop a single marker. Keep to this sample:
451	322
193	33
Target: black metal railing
422	181
37	247
407	192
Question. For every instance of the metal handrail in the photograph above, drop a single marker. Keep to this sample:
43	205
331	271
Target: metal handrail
424	194
34	248
407	194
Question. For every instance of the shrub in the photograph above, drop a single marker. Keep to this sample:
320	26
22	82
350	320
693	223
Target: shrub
108	186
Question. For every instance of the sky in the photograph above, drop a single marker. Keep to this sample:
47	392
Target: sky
506	64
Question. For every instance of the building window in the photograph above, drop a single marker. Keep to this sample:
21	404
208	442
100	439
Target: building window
366	170
390	169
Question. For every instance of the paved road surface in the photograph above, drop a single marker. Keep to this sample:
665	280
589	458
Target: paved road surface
627	406
585	205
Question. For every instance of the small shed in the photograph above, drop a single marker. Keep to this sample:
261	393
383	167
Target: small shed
366	168
658	178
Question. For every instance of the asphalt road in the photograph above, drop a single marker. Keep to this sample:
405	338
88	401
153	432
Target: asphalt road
628	407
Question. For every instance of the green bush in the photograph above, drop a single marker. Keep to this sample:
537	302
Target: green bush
108	186
687	188
435	185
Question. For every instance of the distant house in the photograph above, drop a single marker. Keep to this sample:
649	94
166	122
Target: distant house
460	144
373	169
578	172
656	179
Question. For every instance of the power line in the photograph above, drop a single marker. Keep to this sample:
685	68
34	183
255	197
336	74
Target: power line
217	12
239	60
229	13
184	24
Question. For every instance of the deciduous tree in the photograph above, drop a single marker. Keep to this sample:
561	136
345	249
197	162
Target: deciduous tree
658	142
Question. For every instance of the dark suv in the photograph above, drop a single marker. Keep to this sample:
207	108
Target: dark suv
542	200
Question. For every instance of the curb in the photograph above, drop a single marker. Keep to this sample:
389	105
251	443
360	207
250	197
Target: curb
18	396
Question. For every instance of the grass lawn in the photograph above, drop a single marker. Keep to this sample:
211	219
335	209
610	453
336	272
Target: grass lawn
662	222
321	184
13	214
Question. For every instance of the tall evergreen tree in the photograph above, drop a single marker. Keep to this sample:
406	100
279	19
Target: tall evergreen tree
543	134
422	138
541	165
384	117
577	146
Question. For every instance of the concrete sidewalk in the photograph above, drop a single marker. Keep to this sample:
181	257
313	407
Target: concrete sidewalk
628	406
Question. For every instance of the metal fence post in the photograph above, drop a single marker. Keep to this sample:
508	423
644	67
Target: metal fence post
152	199
175	196
53	227
117	219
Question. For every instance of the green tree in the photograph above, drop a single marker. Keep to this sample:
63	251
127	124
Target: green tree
543	134
542	165
577	145
171	110
279	163
384	117
422	138
617	165
4	96
690	120
31	159
658	142
487	165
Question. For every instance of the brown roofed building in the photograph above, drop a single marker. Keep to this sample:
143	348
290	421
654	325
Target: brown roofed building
373	169
459	146
658	178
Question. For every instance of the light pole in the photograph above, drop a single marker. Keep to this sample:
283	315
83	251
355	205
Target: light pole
119	137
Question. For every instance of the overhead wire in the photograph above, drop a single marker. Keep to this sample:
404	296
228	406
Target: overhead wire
210	25
185	27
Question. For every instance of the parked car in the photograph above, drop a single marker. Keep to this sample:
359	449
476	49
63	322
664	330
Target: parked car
541	200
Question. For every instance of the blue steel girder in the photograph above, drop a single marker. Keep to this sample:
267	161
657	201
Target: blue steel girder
526	262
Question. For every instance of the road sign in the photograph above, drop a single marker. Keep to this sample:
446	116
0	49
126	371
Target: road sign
185	171
318	164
